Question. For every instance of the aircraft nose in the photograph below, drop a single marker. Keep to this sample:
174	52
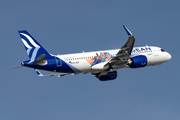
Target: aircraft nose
168	56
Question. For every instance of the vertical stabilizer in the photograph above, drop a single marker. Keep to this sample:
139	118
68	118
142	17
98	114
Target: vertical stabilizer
33	48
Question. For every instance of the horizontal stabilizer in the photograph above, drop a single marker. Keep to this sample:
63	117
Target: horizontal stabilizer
41	60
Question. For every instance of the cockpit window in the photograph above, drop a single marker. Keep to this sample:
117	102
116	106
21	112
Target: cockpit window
162	50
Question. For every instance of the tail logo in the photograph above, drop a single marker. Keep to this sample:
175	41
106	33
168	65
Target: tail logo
31	47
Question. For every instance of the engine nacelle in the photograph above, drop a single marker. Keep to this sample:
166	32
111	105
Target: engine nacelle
137	61
108	76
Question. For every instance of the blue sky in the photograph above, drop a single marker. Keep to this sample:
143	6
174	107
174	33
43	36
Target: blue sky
69	26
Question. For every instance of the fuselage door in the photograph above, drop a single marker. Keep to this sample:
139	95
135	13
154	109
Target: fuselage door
156	54
58	62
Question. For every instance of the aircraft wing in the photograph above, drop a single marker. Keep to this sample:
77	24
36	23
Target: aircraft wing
123	54
58	75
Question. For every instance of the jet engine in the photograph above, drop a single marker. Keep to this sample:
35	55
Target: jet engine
137	61
108	76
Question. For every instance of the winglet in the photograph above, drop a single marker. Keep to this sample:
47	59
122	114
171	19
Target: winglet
126	29
38	73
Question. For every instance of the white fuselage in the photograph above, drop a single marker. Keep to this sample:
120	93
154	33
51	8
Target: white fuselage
82	62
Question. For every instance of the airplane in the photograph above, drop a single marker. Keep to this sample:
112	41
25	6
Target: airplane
103	64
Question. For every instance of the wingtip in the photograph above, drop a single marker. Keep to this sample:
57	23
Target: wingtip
38	72
127	30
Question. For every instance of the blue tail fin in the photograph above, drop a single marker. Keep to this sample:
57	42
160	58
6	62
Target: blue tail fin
33	48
